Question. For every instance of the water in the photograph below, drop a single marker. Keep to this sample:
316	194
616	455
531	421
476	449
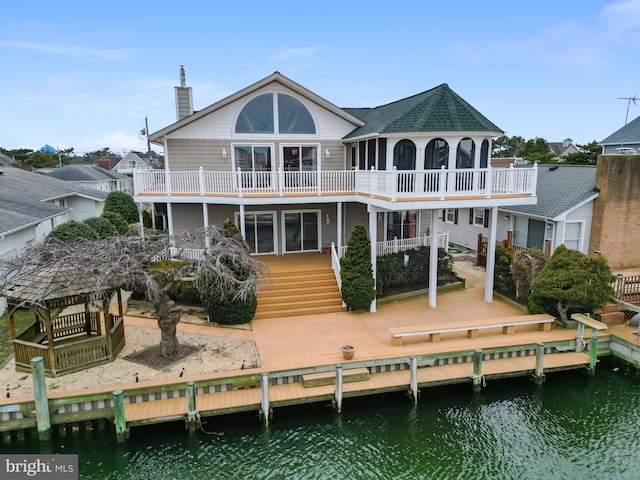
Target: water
573	427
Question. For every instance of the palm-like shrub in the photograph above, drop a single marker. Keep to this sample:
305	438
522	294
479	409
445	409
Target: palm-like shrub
356	273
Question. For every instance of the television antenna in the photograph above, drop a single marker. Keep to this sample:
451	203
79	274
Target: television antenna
633	99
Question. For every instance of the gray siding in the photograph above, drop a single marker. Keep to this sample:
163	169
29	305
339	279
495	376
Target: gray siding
190	155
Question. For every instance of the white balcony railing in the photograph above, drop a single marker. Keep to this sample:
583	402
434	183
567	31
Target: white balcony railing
394	184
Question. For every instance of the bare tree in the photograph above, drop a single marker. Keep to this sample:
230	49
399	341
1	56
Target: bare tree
123	262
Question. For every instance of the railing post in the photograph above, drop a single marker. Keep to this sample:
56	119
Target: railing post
511	173
534	182
539	363
395	244
43	419
338	388
319	181
477	370
167	181
191	406
394	183
413	387
281	180
442	182
239	181
488	182
593	352
265	398
201	180
118	410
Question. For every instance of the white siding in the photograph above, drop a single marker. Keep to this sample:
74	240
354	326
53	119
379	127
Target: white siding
582	214
14	243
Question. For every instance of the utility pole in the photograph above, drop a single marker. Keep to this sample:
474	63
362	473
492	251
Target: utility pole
146	128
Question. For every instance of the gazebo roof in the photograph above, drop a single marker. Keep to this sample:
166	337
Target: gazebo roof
38	287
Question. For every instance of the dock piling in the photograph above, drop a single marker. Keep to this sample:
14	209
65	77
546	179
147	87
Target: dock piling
118	410
539	363
43	418
191	406
413	387
338	388
580	338
264	381
477	370
593	352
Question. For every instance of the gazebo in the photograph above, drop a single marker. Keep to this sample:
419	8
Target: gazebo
68	331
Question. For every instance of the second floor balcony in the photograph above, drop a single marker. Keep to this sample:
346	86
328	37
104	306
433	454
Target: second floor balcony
391	185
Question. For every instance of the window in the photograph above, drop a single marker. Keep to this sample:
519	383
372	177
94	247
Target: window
450	215
436	155
402	224
466	153
573	235
479	217
259	116
253	158
300	158
404	155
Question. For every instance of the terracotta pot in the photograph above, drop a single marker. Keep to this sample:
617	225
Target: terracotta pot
347	352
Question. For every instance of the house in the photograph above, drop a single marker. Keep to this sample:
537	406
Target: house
562	216
95	177
32	204
134	161
297	173
625	140
562	149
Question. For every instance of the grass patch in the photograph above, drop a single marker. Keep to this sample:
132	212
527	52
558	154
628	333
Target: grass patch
23	318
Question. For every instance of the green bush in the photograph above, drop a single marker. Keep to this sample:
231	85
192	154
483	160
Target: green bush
102	227
123	204
72	231
184	291
356	272
117	221
227	310
502	278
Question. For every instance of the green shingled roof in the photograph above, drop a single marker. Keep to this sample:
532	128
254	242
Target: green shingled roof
437	110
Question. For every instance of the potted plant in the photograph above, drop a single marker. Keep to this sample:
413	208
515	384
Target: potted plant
348	351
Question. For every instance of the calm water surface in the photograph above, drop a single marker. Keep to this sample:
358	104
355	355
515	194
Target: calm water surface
573	427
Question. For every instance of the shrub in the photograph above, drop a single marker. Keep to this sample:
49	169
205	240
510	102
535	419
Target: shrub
102	227
227	309
117	221
356	271
502	279
123	204
72	231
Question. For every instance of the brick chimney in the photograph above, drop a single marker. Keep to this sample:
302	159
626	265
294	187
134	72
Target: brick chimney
184	99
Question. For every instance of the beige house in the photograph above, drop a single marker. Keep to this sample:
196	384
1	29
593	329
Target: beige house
297	173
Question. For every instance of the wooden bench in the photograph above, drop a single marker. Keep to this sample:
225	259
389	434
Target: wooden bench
588	321
472	327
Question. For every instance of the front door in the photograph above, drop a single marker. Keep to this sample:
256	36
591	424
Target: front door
260	229
301	231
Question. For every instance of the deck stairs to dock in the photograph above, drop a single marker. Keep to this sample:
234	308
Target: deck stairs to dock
299	292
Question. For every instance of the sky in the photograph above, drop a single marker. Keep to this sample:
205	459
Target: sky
85	75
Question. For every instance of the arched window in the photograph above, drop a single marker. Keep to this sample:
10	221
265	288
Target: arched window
257	116
466	153
404	155
436	154
484	154
293	116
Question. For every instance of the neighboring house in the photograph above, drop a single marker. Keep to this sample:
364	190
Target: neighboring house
297	173
94	177
508	161
5	160
625	141
562	215
136	161
32	204
562	149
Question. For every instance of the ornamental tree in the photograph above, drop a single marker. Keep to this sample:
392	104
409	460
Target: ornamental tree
356	271
123	204
570	281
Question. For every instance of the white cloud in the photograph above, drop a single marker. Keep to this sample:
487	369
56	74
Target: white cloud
65	50
622	16
304	52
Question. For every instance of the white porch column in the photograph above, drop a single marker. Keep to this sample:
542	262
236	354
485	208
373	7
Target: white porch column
433	260
242	229
491	256
205	217
373	234
170	218
339	225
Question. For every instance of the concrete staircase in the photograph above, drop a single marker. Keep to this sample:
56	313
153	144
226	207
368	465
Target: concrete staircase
299	293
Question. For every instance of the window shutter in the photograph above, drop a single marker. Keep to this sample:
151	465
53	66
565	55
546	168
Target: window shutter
444	215
471	216
455	216
486	217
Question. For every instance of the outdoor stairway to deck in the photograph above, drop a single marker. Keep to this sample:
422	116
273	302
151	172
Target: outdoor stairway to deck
303	292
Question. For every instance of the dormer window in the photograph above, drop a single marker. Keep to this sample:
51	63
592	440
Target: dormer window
263	114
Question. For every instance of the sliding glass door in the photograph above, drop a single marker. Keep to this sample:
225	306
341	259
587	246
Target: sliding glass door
301	231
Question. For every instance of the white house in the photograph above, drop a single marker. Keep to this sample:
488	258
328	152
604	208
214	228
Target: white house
93	176
135	161
625	140
297	172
